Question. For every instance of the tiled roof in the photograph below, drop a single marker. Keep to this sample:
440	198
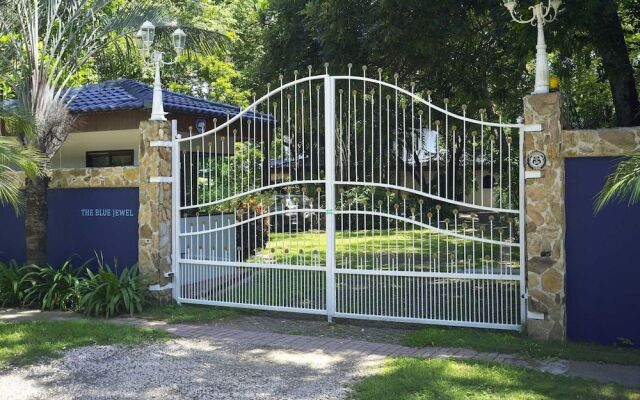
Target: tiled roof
127	94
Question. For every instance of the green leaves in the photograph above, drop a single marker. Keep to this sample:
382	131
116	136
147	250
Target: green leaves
107	294
13	284
15	157
53	289
99	293
623	184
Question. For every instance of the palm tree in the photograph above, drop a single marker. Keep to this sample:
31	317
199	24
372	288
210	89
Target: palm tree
15	157
49	43
623	184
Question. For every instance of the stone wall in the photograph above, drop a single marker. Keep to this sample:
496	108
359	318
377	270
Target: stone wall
83	178
78	178
545	220
154	218
545	205
607	142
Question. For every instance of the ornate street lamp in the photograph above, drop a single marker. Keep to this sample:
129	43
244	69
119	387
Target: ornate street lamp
542	14
144	39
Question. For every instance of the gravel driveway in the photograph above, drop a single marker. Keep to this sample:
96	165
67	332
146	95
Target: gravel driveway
189	369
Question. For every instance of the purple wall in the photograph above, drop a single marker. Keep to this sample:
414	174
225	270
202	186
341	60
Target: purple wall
81	222
603	258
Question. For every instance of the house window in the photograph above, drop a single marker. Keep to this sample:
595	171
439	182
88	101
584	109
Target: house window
109	158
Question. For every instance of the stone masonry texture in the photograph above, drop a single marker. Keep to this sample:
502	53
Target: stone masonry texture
545	204
545	219
154	220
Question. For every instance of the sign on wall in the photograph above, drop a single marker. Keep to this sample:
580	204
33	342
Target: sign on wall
82	222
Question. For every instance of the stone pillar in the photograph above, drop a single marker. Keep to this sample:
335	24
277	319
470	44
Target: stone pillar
154	218
545	220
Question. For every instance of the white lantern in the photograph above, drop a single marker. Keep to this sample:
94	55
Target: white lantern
148	33
138	40
510	4
179	39
555	4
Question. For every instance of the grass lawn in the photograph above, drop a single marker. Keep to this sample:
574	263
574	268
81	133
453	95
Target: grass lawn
190	313
369	248
23	343
515	343
422	379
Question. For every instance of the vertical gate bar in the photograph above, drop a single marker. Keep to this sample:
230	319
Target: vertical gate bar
175	208
522	222
330	228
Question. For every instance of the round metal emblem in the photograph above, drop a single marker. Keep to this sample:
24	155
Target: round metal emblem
537	159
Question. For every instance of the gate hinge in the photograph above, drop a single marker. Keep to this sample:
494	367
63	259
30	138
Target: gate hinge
158	288
160	143
533	128
161	179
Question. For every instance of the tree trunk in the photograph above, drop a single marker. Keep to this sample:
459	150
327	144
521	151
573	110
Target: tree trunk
36	213
608	38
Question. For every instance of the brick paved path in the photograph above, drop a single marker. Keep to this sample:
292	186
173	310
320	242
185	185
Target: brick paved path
622	374
233	332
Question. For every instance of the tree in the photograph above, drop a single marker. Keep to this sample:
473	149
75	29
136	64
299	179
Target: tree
596	26
219	76
50	42
15	157
468	51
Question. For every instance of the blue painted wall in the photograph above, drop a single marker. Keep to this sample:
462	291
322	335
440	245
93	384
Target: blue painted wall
12	245
603	258
81	222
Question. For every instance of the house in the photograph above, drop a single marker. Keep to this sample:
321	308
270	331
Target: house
106	132
96	189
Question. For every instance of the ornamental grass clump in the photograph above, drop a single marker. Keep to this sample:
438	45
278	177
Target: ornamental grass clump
13	284
53	288
98	292
107	294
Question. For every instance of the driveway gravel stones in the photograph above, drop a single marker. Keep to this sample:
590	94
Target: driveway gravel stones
190	369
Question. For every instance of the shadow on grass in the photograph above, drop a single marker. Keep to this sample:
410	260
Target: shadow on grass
516	343
192	313
410	378
23	343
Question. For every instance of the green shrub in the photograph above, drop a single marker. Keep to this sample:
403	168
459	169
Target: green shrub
51	288
106	294
13	284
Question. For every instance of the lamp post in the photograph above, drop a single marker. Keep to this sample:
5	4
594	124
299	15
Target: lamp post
542	14
144	39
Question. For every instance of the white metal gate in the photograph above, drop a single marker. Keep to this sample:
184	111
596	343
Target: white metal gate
352	197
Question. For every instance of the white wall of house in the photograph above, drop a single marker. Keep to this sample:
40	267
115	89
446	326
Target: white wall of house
477	193
486	196
73	152
219	246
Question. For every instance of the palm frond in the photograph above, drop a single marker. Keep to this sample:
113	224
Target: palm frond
621	185
198	40
14	158
17	120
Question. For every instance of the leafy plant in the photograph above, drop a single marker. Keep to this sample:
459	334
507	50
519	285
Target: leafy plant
53	288
15	157
107	294
13	284
621	185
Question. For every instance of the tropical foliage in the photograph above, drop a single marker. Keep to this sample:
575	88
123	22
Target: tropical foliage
49	46
623	184
15	157
104	291
13	284
53	288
